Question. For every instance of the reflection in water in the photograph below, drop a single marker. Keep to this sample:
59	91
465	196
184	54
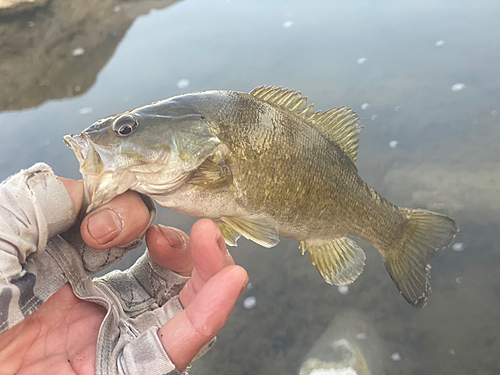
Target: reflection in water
9	7
57	51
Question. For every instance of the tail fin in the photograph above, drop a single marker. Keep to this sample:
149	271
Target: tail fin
408	262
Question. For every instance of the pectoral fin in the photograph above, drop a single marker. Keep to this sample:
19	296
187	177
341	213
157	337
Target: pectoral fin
339	261
212	175
261	229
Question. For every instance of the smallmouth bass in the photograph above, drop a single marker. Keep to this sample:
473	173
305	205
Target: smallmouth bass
263	165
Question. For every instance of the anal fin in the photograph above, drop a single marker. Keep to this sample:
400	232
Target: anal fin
261	229
338	261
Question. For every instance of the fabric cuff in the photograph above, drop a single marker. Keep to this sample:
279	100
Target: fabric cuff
51	199
145	355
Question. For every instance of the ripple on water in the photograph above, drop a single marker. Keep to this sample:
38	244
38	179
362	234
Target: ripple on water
78	51
250	302
343	289
396	357
183	83
394	144
458	87
85	110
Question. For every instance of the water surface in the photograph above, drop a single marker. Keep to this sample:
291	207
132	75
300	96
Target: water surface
424	76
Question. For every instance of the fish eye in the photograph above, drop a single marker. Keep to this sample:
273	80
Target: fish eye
125	125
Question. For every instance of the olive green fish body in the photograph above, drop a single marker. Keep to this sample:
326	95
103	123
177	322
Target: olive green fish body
289	170
261	165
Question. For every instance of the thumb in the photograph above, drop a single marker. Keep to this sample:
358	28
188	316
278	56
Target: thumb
75	191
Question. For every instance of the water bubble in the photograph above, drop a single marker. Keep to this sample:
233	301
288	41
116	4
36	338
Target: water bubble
440	43
31	24
77	88
117	8
343	289
393	144
249	285
451	351
47	142
458	280
361	60
249	302
396	356
78	51
494	113
287	24
85	110
364	106
458	87
458	246
183	83
361	336
397	108
374	117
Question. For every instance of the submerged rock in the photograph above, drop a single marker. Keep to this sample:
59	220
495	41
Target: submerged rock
349	346
345	359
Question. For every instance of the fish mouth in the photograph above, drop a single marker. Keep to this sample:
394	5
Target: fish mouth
79	144
97	166
93	159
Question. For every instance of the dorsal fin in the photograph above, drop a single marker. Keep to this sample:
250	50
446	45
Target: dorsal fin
340	125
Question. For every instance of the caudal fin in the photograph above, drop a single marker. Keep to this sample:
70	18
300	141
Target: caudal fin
408	261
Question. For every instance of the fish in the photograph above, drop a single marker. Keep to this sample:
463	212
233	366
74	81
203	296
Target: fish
262	165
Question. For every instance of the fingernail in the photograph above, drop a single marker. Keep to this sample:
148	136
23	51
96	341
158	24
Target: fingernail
175	239
105	225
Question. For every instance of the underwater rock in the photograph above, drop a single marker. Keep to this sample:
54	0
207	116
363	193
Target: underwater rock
349	346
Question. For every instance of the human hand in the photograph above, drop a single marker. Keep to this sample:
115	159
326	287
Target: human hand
61	336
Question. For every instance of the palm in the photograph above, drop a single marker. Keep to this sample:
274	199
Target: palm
59	338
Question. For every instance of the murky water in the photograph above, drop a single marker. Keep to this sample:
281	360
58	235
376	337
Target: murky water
423	75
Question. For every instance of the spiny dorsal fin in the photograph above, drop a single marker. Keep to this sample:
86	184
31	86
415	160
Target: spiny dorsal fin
340	125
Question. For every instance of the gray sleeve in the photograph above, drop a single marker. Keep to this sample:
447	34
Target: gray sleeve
35	262
34	206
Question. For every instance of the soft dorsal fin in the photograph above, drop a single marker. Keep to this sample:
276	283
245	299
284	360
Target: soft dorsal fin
340	125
